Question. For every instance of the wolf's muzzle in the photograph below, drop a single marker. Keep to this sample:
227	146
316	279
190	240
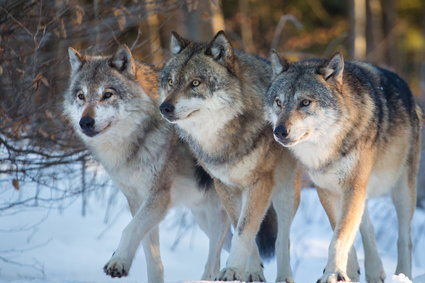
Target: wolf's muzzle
167	110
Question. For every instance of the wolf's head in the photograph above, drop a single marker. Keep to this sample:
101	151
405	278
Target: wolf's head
302	101
199	80
104	94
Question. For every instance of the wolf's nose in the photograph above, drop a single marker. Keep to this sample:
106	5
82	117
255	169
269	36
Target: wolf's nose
281	132
166	108
87	123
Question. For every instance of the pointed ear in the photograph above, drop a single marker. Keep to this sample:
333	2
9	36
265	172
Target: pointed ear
177	43
123	61
333	68
221	49
76	59
279	65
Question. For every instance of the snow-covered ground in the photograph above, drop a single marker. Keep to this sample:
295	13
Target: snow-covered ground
66	247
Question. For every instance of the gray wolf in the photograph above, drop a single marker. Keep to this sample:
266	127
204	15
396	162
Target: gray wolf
112	103
355	127
214	95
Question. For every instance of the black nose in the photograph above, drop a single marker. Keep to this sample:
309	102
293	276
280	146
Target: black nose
166	108
87	123
280	132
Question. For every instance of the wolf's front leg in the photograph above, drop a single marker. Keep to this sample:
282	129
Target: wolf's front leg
254	270
352	202
148	216
332	206
255	202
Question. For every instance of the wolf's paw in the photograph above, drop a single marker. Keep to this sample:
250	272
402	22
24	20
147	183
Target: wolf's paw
229	274
333	277
209	276
255	277
117	267
379	278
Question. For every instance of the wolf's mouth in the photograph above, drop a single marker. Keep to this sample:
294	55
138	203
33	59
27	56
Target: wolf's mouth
288	142
190	114
174	118
91	133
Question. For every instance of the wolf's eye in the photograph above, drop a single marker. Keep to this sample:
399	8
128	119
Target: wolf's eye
305	103
107	94
278	102
170	82
195	83
80	95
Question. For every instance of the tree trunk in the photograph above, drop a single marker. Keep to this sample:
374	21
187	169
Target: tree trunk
154	37
357	29
246	26
389	35
217	19
373	31
197	21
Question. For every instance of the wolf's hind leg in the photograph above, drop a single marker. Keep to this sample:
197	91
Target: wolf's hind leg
285	199
373	265
153	256
216	224
404	199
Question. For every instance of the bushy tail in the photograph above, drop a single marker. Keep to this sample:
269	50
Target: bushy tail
266	237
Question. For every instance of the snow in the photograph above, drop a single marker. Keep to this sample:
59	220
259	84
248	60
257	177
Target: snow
68	248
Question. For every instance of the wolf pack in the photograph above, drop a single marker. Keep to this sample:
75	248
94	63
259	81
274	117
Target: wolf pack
229	134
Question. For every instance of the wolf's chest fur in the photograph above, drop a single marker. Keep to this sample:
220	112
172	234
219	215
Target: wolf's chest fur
237	154
133	160
387	168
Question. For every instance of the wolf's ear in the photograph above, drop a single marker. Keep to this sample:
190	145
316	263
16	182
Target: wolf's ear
333	68
76	59
221	49
279	64
123	61
177	43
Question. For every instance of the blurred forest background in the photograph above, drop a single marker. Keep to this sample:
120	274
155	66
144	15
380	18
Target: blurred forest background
37	147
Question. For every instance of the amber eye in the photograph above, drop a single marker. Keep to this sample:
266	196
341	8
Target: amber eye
305	103
80	95
196	83
107	94
170	82
278	102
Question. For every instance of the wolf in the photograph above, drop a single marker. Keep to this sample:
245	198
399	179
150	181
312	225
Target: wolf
112	103
214	95
355	128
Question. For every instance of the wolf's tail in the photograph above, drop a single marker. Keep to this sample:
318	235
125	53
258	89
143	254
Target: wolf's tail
266	237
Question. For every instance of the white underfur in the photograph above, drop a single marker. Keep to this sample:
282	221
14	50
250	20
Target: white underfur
236	173
211	116
112	148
